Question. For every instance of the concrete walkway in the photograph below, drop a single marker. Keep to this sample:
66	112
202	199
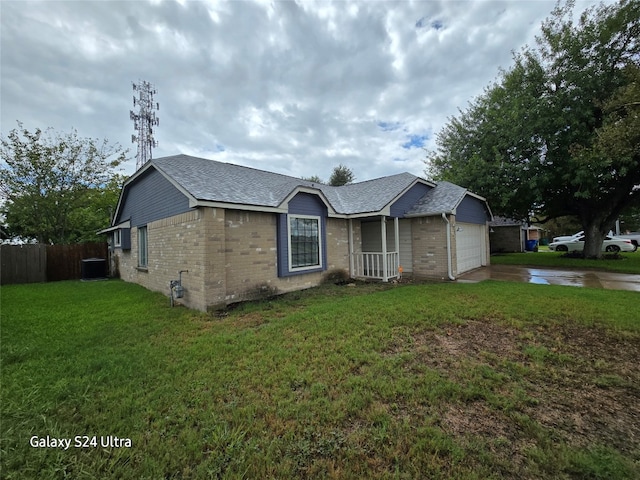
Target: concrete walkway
555	276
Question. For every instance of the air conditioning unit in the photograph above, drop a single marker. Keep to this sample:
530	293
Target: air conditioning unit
94	269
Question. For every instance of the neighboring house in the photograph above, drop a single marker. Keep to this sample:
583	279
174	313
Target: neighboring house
241	231
507	235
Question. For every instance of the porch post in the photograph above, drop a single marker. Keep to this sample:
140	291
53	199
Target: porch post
351	267
396	226
383	222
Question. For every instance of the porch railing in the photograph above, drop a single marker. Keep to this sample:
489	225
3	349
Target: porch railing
372	265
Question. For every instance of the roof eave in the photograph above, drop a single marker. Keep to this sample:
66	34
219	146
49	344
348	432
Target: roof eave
125	224
386	212
429	214
193	203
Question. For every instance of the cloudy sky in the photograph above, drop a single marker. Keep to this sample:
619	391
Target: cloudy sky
291	87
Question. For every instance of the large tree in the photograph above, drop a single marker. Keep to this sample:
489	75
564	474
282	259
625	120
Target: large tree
558	133
57	188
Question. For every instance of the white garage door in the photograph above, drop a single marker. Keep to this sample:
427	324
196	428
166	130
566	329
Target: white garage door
470	246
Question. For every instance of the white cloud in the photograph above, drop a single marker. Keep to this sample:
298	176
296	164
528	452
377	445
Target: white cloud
293	87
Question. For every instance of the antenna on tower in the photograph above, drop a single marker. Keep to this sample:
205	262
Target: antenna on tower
143	121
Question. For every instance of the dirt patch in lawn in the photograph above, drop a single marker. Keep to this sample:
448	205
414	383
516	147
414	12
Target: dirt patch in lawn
594	395
561	383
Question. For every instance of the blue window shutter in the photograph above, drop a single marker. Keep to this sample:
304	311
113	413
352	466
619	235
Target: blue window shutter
282	245
125	239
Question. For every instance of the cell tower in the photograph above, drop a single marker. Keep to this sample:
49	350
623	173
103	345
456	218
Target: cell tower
144	121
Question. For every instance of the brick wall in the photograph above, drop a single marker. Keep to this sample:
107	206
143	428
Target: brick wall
506	239
429	237
214	258
175	243
251	255
338	243
230	256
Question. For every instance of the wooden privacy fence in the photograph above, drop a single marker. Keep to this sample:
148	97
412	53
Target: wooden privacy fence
46	263
23	264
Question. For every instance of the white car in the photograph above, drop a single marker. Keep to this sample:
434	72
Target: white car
633	236
568	237
610	244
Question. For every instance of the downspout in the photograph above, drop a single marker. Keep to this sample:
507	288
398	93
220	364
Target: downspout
449	268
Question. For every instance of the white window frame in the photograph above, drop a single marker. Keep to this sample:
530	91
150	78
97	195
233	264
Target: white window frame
143	247
320	257
117	238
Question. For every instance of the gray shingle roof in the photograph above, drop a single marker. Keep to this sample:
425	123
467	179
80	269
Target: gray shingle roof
368	196
505	222
210	180
445	197
225	182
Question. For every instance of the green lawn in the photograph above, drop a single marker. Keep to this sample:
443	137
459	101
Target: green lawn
461	381
626	262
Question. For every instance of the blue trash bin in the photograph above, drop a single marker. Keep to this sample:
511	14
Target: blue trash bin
531	245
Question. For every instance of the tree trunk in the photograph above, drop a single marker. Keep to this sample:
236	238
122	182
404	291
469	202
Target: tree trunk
593	241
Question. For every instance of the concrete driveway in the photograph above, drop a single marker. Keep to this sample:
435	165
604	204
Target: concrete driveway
555	276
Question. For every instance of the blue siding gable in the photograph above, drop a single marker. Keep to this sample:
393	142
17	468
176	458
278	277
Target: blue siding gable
151	197
301	204
408	200
472	210
307	204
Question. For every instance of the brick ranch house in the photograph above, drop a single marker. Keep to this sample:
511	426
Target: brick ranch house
239	231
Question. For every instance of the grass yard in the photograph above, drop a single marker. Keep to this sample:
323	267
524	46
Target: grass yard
626	262
462	381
